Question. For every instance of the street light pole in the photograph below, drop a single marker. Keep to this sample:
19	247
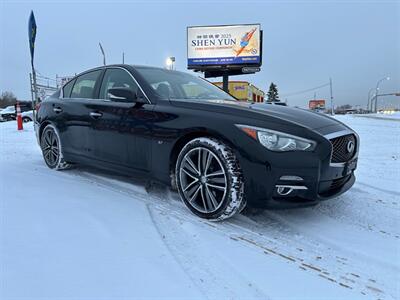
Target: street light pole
102	52
330	86
376	92
170	62
369	99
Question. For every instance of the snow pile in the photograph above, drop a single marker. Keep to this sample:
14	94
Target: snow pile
87	234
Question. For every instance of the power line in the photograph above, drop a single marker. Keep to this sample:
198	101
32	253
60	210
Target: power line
305	91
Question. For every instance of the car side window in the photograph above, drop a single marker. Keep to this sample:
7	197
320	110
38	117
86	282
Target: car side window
84	85
68	88
163	89
114	78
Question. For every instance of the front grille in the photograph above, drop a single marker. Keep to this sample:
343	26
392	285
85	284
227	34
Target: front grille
341	147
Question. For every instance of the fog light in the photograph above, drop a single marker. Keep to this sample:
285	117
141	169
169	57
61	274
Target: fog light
284	191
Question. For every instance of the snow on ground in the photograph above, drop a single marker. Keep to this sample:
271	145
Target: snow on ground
86	234
395	115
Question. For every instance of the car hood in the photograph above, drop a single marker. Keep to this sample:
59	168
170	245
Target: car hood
299	116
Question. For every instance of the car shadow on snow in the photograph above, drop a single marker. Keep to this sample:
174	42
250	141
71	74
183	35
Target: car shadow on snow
136	183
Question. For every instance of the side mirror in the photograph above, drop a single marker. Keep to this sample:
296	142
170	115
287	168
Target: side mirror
122	94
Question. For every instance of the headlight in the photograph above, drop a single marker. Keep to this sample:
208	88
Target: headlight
277	141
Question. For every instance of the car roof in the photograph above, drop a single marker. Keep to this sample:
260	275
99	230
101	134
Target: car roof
125	66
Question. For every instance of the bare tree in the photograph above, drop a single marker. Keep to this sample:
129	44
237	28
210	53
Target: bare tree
7	98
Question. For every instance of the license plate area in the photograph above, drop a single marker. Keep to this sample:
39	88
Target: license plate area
349	167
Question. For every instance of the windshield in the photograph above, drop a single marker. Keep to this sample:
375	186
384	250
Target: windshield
179	85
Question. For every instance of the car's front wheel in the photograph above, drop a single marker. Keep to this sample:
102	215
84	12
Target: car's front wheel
50	144
209	179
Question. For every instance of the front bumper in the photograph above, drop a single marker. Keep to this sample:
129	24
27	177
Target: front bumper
307	192
309	176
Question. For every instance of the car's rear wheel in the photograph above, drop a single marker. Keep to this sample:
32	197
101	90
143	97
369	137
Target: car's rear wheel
26	119
50	144
209	179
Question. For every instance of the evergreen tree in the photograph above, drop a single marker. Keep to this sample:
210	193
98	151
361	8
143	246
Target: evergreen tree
273	93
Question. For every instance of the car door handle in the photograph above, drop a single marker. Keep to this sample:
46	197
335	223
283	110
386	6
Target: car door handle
57	109
95	115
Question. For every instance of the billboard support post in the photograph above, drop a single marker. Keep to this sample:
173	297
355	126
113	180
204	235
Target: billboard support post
225	82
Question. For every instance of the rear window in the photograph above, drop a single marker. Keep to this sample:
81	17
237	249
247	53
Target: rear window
84	85
68	88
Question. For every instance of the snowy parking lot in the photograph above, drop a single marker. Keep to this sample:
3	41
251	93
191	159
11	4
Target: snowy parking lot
87	234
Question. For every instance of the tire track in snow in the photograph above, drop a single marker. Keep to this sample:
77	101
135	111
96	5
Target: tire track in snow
343	209
189	251
394	193
173	253
283	243
319	258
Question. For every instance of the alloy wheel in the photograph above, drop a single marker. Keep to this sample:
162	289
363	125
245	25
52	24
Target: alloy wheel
203	180
50	147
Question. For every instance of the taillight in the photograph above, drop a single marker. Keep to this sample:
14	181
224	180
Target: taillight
37	107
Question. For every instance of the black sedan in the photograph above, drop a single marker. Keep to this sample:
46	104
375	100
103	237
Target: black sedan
175	128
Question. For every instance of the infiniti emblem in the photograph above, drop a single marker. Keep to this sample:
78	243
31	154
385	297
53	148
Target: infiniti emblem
350	147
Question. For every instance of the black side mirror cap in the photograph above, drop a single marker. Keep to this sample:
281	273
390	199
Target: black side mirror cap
122	94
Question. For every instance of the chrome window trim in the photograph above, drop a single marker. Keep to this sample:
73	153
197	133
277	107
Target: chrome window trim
338	134
134	79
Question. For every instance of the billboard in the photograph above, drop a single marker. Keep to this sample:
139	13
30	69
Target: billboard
316	104
223	45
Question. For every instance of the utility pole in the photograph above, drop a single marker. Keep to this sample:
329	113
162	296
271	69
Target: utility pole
123	57
330	87
104	56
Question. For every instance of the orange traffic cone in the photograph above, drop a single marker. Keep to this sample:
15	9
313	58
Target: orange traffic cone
19	118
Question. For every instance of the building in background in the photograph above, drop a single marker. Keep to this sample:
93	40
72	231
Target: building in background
244	91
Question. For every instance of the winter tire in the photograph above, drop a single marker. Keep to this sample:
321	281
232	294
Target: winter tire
209	179
50	144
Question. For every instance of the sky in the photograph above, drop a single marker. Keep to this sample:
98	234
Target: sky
356	43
